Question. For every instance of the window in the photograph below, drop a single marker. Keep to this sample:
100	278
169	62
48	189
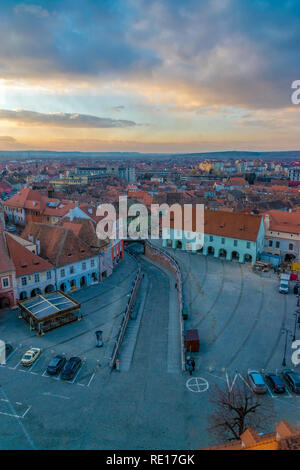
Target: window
223	241
24	281
291	246
48	274
62	273
270	242
235	242
36	278
211	238
248	244
92	263
277	244
71	269
84	265
5	282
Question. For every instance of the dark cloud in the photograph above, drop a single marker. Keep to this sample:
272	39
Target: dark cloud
25	117
70	38
232	52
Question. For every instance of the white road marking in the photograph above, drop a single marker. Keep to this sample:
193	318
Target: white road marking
56	396
14	415
197	384
16	365
269	390
90	381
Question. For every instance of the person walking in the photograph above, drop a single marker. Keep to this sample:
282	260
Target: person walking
189	365
193	364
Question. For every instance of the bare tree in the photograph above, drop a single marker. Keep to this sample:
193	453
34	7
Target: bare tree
237	409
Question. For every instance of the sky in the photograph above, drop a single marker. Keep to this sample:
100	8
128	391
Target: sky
149	75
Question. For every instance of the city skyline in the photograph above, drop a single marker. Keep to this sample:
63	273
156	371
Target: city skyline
155	76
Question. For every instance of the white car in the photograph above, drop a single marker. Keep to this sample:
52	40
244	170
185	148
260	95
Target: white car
30	356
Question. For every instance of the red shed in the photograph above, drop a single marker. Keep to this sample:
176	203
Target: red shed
192	341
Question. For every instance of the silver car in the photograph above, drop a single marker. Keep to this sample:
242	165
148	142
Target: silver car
256	381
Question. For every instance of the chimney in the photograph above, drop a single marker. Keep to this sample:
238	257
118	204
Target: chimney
267	222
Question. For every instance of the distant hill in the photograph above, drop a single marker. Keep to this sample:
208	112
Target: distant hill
228	155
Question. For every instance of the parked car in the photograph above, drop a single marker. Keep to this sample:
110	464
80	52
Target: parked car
71	367
292	379
276	383
256	381
30	356
56	365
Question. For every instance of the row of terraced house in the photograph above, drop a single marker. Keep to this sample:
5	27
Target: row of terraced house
62	254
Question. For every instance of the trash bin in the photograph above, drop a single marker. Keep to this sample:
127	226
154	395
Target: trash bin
184	313
99	339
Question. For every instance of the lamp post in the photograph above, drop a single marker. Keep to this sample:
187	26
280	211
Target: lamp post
295	325
286	331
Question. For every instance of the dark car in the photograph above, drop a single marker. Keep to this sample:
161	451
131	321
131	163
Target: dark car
56	365
71	367
276	383
292	379
8	349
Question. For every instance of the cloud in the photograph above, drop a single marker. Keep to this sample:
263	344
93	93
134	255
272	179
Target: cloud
25	117
217	52
6	139
117	109
36	10
76	39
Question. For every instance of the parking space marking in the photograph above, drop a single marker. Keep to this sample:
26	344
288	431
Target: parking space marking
91	379
14	368
14	414
269	390
56	396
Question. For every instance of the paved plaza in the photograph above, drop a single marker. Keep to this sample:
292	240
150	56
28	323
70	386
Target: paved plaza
150	403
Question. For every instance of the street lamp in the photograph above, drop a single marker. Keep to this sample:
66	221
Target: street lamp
295	325
286	331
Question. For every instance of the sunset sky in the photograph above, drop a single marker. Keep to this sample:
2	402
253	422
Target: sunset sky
149	75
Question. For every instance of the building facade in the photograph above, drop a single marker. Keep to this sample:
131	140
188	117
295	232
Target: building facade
282	233
227	235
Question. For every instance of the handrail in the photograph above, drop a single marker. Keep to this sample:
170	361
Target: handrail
126	317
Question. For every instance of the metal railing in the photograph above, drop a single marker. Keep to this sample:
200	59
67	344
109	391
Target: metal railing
126	317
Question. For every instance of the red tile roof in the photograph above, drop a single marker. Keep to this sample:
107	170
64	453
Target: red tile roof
281	221
226	224
24	260
58	244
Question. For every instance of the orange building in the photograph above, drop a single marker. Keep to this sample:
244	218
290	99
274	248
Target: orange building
285	437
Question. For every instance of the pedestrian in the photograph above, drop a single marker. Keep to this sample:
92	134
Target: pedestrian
193	364
189	365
